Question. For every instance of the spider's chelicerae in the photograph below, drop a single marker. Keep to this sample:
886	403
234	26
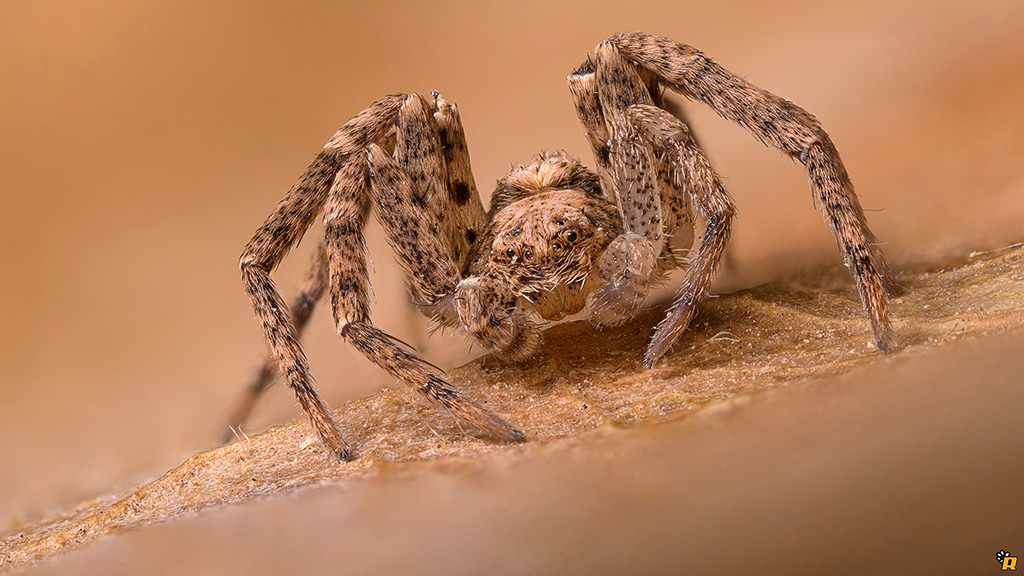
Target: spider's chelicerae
558	237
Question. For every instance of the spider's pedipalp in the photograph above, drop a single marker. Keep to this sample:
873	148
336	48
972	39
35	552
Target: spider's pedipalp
487	309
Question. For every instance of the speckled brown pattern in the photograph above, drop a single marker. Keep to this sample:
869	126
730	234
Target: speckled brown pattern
783	125
557	238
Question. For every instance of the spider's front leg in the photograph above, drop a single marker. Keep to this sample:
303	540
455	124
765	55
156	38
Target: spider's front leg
279	233
649	161
330	171
648	141
349	175
688	168
433	276
429	171
603	93
789	128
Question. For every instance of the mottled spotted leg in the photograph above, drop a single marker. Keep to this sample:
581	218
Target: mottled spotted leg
676	211
310	292
689	169
630	261
432	275
484	306
676	214
430	146
463	206
279	233
264	251
783	125
583	86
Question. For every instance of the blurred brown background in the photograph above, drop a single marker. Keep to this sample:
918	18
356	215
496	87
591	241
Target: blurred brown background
144	142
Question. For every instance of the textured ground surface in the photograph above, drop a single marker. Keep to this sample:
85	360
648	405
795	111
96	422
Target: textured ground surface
743	344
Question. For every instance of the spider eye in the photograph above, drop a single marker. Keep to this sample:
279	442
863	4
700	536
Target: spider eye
528	254
510	253
571	236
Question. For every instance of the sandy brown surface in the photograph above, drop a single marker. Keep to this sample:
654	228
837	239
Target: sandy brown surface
585	386
143	143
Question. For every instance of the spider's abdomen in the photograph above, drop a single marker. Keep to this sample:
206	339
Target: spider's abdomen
547	172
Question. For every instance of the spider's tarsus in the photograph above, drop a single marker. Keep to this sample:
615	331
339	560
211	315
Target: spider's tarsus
884	341
477	415
510	434
343	455
495	425
517	436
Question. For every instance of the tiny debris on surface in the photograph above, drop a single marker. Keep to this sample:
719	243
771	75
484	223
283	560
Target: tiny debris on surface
739	344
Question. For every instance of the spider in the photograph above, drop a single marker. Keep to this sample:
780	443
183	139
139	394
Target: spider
557	238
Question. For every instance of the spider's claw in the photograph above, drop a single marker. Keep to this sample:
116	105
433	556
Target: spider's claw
333	440
343	455
885	346
882	332
874	284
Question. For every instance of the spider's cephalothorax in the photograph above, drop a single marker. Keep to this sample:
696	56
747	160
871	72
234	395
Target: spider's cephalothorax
557	239
548	225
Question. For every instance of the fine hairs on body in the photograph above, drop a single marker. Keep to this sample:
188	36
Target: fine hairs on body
558	237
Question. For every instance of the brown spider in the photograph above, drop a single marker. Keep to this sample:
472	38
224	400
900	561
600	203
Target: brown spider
558	237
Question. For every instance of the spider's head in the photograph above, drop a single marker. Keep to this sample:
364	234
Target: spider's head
545	244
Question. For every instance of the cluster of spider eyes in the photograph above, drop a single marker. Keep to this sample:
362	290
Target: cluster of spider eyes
557	247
